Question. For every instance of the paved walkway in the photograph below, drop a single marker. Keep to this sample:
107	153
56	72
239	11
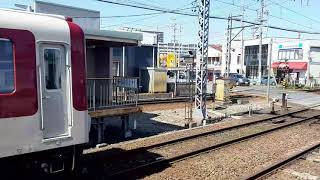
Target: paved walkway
298	97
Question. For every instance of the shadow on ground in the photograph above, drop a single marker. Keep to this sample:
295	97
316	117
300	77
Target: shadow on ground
145	127
113	163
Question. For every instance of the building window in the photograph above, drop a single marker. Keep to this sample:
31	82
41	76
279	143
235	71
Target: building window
53	66
210	60
290	54
6	67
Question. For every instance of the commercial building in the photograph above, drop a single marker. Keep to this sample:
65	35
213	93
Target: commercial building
297	58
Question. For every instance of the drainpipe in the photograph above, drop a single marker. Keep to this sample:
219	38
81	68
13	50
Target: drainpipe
153	60
123	60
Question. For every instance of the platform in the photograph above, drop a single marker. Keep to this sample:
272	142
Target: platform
117	111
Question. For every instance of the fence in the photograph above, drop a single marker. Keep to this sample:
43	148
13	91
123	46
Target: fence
112	92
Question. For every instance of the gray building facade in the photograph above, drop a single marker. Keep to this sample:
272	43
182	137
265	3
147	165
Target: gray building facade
87	19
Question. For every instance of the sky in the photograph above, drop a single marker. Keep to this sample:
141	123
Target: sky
293	14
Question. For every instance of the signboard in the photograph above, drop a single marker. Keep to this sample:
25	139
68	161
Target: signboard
171	60
290	45
162	60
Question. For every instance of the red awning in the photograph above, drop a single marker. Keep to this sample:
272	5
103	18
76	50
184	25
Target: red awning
291	65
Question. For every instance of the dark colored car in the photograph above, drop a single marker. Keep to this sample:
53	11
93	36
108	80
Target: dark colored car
239	79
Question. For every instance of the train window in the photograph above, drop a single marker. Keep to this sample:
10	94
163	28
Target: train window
52	58
6	67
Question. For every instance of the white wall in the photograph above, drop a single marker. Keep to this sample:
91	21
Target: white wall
236	50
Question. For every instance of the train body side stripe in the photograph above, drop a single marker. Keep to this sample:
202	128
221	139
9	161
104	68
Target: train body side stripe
78	67
23	100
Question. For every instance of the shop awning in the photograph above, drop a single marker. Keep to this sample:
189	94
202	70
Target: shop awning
290	65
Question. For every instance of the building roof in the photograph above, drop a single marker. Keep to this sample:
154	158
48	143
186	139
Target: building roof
217	47
114	36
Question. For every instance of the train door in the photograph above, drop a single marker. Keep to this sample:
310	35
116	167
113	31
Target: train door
55	91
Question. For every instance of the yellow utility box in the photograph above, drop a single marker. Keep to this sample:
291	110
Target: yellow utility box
222	90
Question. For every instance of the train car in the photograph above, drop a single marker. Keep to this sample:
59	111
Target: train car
43	106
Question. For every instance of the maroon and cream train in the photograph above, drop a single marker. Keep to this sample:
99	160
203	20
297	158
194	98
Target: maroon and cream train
43	110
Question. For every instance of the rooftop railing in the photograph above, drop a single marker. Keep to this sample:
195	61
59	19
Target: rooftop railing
113	92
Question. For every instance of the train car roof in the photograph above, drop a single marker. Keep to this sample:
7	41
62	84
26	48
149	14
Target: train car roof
33	13
44	27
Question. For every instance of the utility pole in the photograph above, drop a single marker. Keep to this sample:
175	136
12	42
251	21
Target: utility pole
242	40
180	39
174	26
260	43
202	60
228	53
269	70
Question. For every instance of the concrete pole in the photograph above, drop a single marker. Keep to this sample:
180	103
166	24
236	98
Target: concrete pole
260	43
174	43
242	41
180	39
269	70
230	45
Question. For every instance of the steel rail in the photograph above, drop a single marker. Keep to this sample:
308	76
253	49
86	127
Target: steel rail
140	170
270	169
132	152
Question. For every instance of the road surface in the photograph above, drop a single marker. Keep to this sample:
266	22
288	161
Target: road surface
298	97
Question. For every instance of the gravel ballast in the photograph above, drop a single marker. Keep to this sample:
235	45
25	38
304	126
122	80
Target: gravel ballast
306	167
143	142
236	161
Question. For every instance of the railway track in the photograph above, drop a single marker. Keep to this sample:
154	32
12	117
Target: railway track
278	165
139	171
152	162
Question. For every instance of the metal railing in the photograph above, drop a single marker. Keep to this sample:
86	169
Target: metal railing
112	92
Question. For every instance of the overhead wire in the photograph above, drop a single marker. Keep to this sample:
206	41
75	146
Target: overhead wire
118	16
158	14
213	17
287	20
314	20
